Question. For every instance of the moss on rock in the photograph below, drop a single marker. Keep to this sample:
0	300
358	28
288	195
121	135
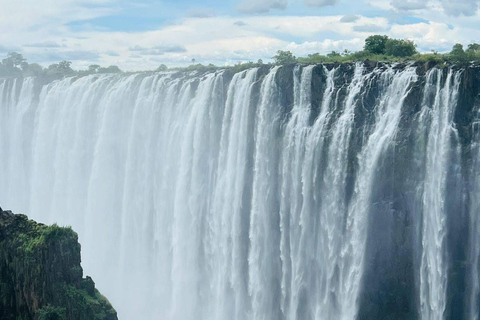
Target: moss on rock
40	274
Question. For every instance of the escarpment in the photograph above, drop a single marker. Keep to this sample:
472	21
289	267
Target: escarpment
40	274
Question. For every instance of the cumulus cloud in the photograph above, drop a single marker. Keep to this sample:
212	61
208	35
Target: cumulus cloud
319	3
240	23
449	7
460	7
202	13
112	53
223	39
47	13
45	44
264	6
327	45
4	49
349	18
255	6
402	5
158	50
370	28
71	55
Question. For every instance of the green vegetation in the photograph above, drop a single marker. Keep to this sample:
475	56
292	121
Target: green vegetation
40	274
284	57
400	48
376	44
377	48
51	313
383	45
459	55
383	49
15	65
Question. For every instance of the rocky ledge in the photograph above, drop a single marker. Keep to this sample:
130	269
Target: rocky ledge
40	274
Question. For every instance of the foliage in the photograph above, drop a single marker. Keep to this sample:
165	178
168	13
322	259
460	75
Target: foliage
93	68
32	70
15	65
284	57
61	68
376	44
400	48
40	265
49	312
13	60
434	58
110	69
333	54
473	48
383	45
162	67
457	53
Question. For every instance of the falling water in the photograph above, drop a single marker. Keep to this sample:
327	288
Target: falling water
433	265
251	195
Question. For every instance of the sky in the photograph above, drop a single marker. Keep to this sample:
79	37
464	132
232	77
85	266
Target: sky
142	34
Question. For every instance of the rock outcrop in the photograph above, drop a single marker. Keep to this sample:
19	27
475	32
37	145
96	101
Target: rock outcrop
40	274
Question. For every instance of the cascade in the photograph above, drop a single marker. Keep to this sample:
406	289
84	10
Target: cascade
287	192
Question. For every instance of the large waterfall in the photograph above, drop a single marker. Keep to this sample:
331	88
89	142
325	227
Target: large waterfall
296	192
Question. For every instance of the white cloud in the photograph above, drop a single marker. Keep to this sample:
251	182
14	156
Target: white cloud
433	35
370	28
319	3
262	6
403	5
5	49
202	13
381	4
56	56
220	39
325	46
44	44
23	14
240	23
449	7
349	18
158	50
112	53
461	7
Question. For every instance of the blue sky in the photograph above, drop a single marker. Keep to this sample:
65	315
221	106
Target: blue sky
140	35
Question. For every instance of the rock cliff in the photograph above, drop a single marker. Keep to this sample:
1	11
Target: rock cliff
40	274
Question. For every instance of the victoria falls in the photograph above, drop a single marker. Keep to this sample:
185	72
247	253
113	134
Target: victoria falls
334	191
240	160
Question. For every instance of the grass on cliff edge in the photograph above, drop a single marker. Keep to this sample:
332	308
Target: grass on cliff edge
40	273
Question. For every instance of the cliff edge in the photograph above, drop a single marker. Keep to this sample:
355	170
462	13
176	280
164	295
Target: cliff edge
40	274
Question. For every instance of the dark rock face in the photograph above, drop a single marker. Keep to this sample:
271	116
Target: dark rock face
41	276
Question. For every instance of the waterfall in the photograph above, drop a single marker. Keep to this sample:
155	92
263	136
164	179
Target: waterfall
293	192
433	265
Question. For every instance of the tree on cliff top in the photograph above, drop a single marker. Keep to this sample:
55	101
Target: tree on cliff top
13	60
473	47
457	53
400	48
376	44
284	57
61	68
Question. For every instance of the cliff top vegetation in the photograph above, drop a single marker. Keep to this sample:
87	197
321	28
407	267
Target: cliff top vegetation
379	48
40	274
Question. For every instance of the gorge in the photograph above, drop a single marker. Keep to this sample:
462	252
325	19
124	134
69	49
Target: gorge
290	192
